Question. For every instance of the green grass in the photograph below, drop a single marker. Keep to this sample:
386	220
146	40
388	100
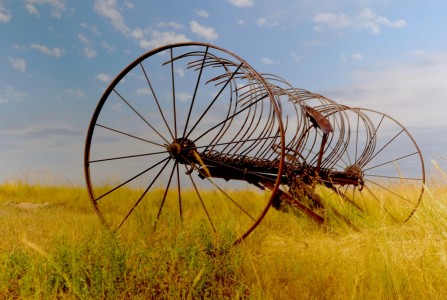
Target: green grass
61	251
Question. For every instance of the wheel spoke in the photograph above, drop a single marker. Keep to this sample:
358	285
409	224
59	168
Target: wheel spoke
381	202
344	197
141	117
388	190
179	192
221	190
142	195
156	100
130	179
389	142
129	135
164	195
173	94
125	157
201	201
394	177
195	91
390	161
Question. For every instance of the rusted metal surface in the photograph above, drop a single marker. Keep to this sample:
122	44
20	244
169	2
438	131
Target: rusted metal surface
237	125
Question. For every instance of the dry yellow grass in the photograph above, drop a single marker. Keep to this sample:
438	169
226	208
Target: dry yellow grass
60	250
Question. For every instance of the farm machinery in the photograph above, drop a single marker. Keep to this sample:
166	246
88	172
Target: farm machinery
189	134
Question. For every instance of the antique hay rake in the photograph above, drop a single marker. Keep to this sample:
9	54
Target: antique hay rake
181	134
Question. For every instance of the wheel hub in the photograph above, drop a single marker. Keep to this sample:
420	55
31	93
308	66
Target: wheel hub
182	150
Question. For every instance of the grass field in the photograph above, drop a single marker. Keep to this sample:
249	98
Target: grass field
52	245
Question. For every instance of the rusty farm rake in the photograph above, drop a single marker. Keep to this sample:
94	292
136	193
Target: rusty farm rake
183	134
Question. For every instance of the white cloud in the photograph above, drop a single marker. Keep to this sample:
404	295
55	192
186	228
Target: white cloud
161	38
357	56
373	27
266	22
261	21
180	72
83	39
19	47
144	91
372	21
18	63
109	10
137	33
129	5
206	32
414	92
9	94
295	57
107	47
89	52
40	132
32	10
330	20
183	96
5	15
103	77
173	25
118	107
268	61
77	93
57	7
56	52
354	56
202	13
365	19
92	28
242	3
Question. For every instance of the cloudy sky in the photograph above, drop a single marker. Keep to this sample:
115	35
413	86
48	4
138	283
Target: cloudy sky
57	57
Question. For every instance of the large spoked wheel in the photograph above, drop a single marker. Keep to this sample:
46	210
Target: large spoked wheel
386	164
164	144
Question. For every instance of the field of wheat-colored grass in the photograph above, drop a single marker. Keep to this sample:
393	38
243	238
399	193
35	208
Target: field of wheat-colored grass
54	246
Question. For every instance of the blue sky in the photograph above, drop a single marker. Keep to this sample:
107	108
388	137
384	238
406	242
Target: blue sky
57	57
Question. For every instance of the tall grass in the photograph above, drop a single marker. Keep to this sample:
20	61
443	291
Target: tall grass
60	250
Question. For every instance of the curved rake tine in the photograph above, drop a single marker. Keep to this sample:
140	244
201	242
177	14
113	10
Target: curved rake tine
226	119
212	102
